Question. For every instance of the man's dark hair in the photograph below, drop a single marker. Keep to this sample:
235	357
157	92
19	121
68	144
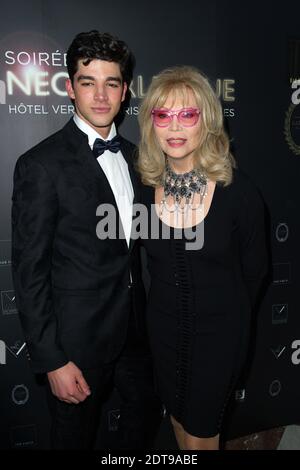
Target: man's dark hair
94	45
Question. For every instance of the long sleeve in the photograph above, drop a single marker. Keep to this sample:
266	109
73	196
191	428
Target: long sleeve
252	239
34	214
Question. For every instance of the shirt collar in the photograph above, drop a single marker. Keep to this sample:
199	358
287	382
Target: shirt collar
91	133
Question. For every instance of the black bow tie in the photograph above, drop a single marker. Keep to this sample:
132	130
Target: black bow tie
100	146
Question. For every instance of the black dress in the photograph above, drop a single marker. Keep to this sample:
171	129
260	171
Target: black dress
200	303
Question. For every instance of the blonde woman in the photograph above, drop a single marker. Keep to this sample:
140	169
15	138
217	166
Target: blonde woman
202	294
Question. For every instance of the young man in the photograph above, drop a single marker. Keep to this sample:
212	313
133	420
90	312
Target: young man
81	298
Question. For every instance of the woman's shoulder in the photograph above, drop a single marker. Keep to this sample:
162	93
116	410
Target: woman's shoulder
243	183
243	191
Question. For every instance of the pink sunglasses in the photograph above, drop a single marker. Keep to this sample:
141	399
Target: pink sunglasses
187	117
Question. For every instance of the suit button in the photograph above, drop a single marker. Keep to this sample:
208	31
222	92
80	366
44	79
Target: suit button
129	286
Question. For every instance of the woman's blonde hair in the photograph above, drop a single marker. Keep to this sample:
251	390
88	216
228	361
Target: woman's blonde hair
213	156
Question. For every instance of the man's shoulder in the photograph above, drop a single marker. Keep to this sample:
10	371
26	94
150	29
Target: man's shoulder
125	142
48	144
47	150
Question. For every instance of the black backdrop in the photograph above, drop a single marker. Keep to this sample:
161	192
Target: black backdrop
250	50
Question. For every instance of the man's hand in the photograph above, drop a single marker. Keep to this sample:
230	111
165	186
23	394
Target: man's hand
68	384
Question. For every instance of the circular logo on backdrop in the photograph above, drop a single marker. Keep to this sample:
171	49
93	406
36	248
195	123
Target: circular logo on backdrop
292	128
282	232
275	388
20	394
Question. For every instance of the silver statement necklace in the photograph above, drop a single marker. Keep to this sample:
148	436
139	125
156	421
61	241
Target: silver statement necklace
182	189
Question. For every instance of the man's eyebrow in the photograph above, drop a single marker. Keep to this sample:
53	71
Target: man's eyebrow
115	79
85	77
108	79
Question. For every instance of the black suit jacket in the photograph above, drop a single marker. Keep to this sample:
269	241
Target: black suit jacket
73	290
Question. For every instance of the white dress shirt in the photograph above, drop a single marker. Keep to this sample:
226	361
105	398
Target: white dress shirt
116	171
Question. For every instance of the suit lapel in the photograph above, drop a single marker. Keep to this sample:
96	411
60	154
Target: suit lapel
127	154
78	145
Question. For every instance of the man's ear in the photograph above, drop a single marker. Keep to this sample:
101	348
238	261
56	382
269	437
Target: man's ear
69	88
125	87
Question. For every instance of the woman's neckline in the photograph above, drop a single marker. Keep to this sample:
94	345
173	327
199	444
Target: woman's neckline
211	208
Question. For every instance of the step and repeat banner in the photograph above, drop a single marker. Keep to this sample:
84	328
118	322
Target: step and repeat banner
251	53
